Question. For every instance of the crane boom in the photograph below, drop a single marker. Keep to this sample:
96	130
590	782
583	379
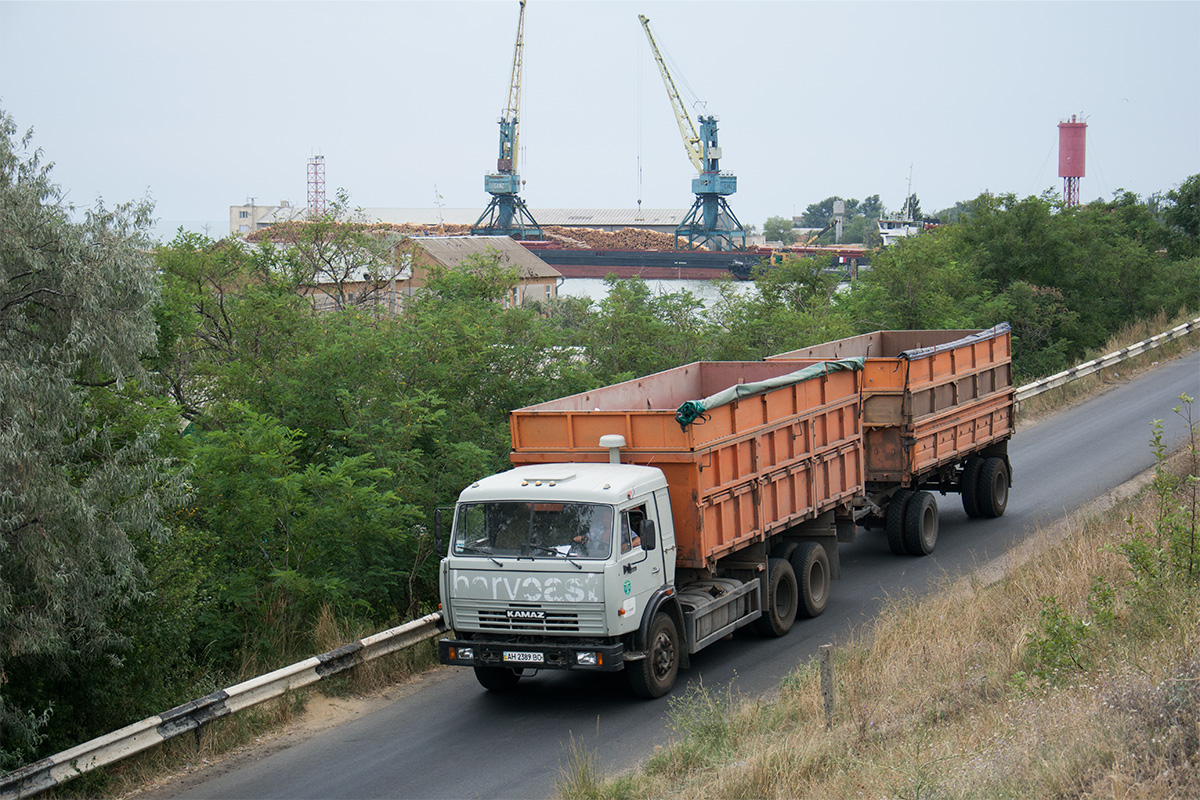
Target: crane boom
512	111
691	139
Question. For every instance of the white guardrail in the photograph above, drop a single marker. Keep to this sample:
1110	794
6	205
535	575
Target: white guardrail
49	772
1097	364
62	767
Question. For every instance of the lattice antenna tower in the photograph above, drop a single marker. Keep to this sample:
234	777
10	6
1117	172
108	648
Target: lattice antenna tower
316	186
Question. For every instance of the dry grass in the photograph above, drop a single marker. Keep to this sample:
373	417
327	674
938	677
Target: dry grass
1055	681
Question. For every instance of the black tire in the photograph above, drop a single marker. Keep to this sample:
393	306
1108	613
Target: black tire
894	523
654	675
810	562
781	601
968	485
921	524
784	550
496	679
993	488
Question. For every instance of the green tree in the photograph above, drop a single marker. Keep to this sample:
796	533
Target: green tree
818	215
871	208
636	332
792	306
926	281
78	481
1182	218
292	535
779	229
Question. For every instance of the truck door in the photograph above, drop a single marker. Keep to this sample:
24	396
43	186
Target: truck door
640	570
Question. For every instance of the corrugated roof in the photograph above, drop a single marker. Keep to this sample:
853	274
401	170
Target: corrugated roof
450	250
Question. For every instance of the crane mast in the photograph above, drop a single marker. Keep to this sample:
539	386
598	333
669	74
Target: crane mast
710	221
506	214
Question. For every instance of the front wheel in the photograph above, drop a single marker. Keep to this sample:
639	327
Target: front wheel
496	679
654	675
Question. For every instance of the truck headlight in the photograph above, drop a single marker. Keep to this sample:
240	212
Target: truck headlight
462	653
587	659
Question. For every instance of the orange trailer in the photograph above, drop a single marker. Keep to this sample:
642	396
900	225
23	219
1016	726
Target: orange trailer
743	472
937	414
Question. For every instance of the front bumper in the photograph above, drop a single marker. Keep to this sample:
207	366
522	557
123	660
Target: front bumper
531	655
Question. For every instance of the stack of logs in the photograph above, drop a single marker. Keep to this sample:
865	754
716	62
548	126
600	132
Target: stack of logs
624	239
573	238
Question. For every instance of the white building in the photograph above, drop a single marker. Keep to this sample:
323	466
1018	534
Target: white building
248	218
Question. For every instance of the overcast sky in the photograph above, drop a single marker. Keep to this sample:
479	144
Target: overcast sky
203	105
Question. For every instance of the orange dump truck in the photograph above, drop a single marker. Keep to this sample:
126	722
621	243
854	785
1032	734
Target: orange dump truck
645	520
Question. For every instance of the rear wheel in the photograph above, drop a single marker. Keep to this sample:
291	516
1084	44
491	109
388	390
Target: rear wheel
496	679
993	487
968	485
921	524
810	562
779	606
654	675
894	523
784	550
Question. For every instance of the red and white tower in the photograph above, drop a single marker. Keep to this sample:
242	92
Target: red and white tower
316	186
1072	145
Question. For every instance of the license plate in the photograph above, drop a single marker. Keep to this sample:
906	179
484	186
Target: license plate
523	658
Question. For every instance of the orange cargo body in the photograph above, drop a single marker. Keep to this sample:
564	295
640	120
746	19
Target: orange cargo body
747	470
930	398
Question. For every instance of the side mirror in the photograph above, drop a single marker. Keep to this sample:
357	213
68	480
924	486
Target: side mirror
437	530
646	531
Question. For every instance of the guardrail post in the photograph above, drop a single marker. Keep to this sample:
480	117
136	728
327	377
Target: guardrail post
825	659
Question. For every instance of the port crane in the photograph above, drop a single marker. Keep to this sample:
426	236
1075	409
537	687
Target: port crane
506	214
710	221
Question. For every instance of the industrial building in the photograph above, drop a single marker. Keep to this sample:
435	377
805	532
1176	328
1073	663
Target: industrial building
411	259
252	217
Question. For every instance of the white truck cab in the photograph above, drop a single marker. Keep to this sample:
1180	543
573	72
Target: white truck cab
555	566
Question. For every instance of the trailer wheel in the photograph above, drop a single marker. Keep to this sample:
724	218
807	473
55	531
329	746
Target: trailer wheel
779	606
654	675
921	524
894	524
993	487
810	562
968	485
496	679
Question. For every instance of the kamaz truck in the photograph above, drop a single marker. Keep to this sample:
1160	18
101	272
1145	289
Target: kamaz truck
645	520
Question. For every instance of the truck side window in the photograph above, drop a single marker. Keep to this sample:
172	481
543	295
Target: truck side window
631	525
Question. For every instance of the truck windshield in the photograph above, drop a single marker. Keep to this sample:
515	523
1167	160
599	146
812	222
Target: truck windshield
534	530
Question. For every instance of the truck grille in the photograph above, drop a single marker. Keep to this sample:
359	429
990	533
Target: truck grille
529	617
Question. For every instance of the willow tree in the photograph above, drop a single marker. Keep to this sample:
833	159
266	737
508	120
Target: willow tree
78	477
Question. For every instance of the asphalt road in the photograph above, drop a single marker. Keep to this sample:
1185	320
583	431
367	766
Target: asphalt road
452	739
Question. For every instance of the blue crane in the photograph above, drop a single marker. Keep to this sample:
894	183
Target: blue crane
506	214
710	221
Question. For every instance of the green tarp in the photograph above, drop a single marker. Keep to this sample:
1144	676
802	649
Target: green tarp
692	409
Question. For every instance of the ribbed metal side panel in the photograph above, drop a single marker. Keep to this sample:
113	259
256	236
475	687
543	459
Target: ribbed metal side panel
575	618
